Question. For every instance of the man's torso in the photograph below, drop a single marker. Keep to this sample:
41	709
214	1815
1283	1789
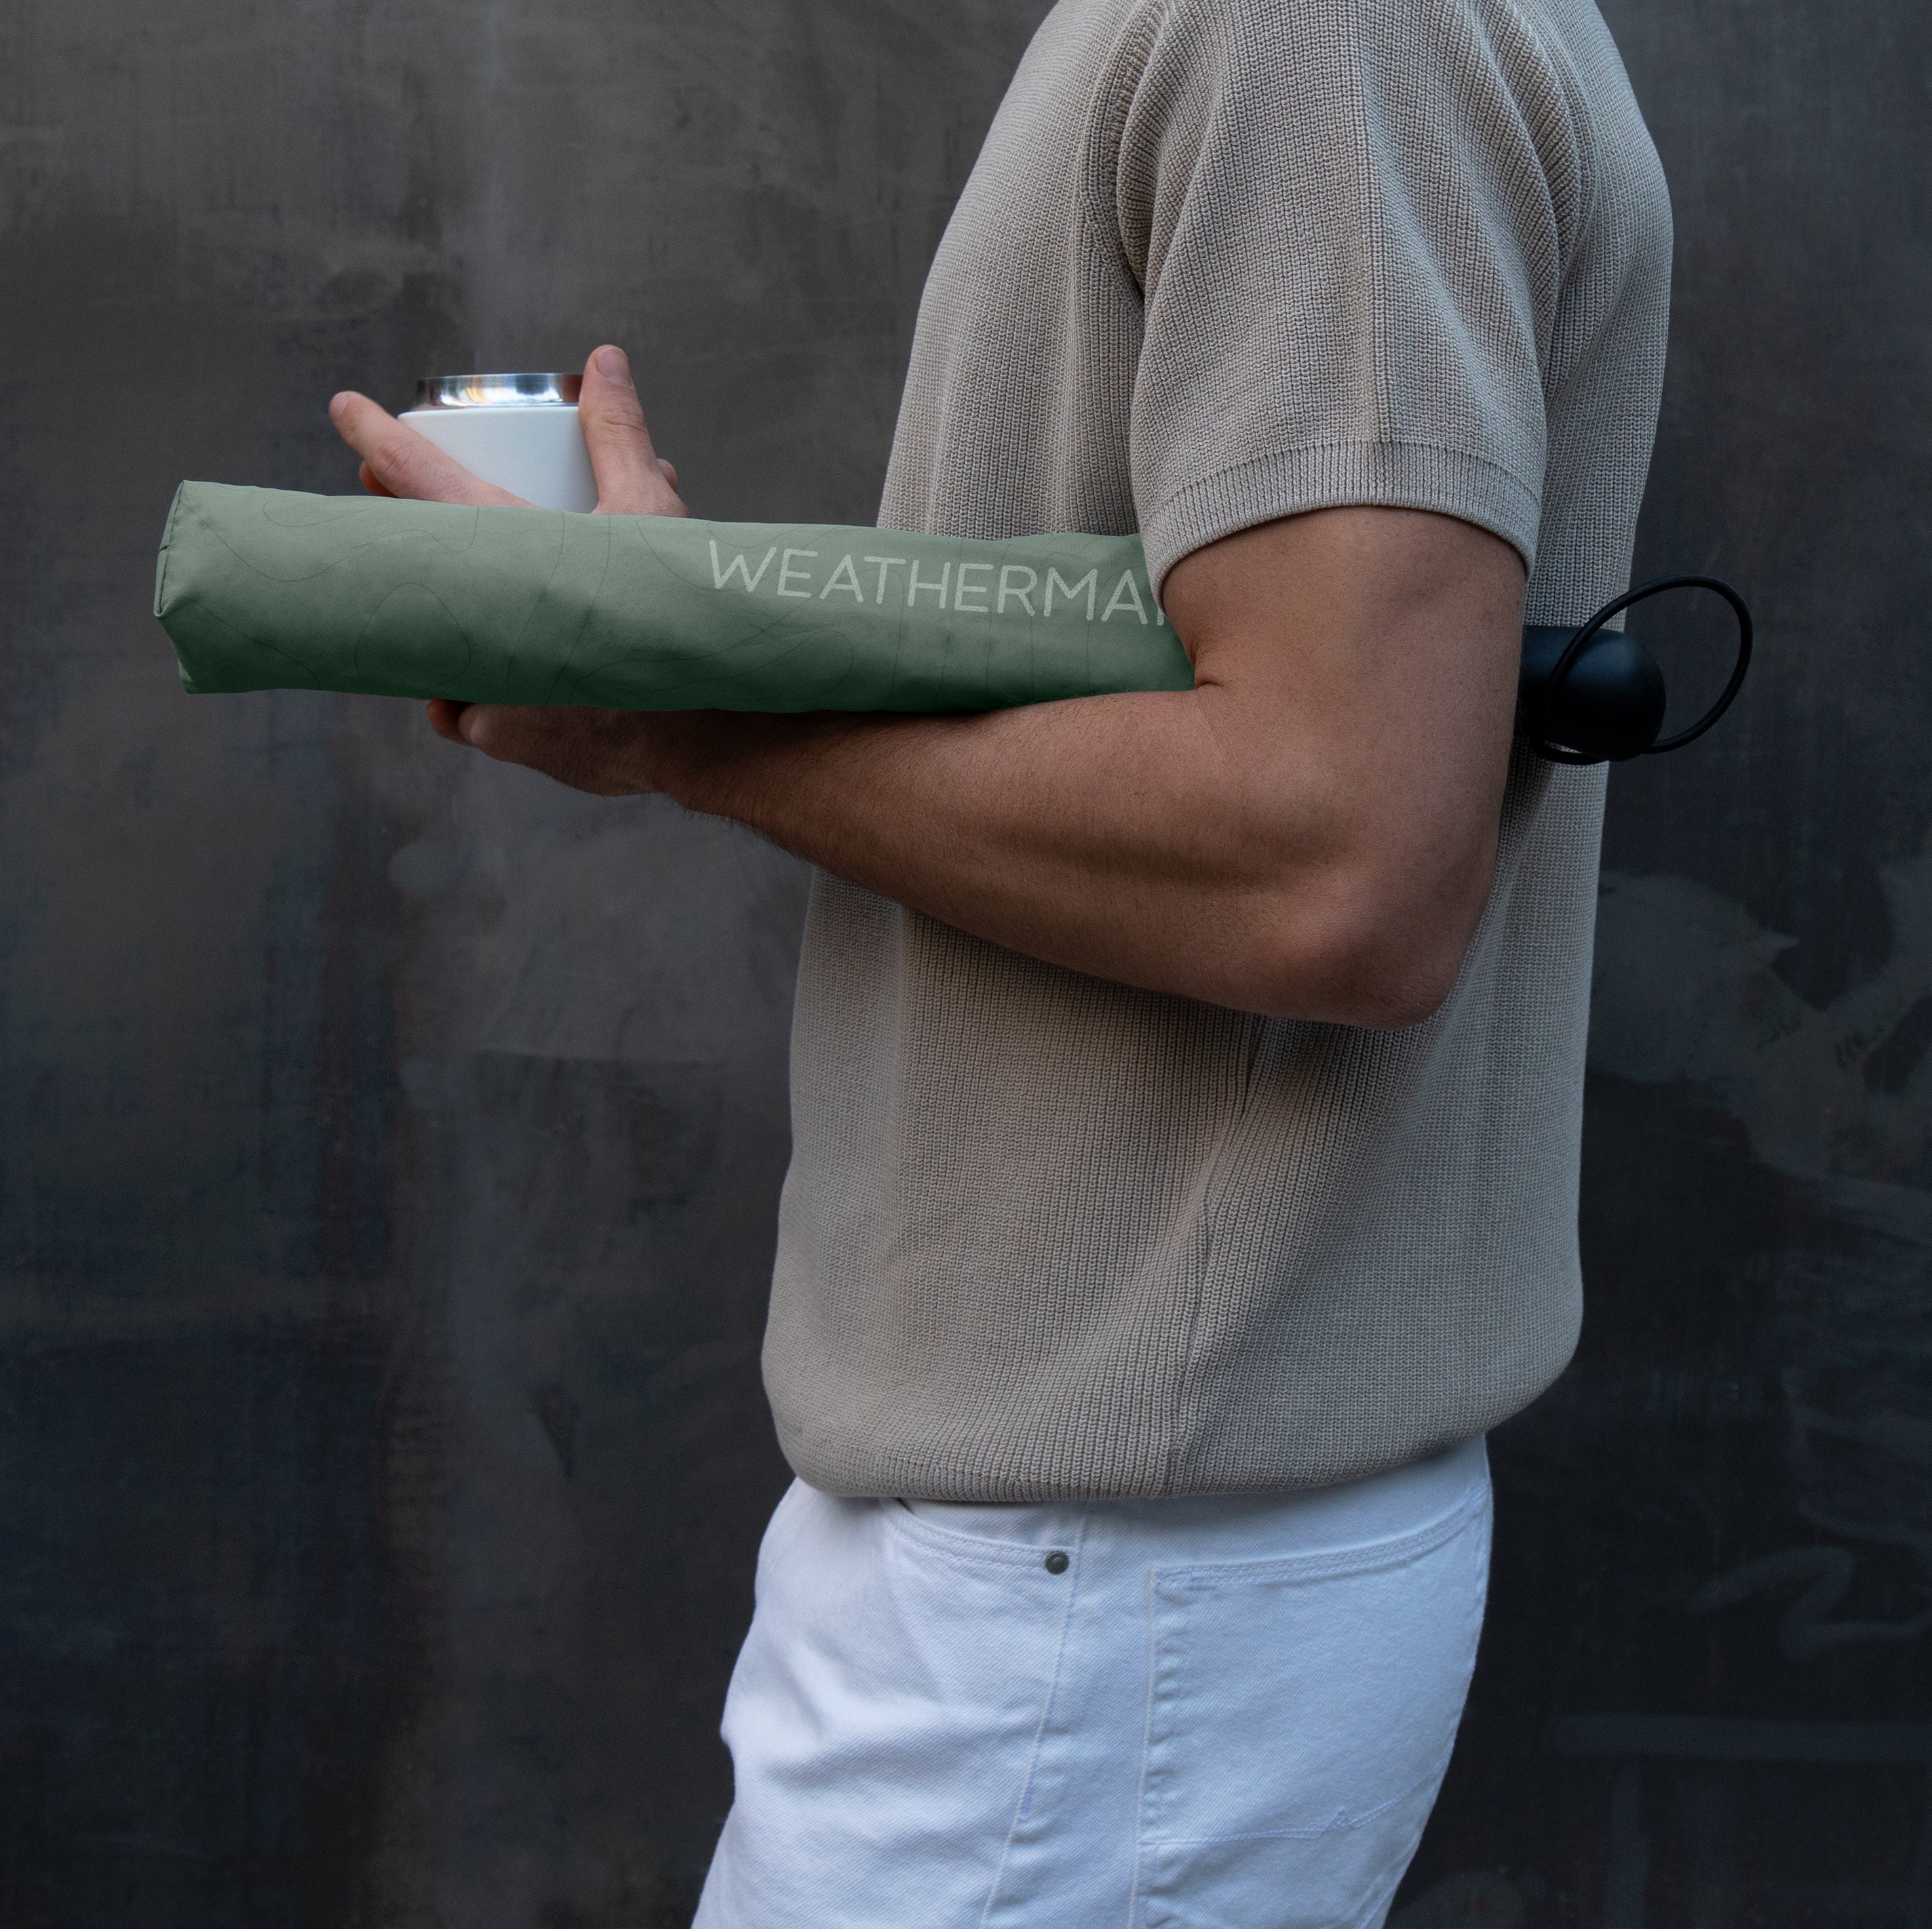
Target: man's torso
1045	1236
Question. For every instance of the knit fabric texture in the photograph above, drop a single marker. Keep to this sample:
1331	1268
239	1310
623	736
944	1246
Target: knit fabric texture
1046	1236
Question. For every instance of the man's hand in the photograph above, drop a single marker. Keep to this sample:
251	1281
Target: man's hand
632	478
610	752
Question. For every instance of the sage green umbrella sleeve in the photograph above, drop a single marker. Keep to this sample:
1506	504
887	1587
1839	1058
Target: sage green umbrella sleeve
259	588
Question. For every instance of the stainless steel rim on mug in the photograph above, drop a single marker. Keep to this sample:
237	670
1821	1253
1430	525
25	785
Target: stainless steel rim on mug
498	391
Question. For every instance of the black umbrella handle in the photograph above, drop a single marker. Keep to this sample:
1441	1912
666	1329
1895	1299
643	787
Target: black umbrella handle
1579	643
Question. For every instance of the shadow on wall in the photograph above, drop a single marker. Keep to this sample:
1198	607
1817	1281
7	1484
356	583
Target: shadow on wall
1738	1730
1837	1102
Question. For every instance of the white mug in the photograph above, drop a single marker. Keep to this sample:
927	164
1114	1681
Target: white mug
518	431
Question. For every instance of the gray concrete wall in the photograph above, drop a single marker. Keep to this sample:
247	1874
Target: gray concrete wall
389	1140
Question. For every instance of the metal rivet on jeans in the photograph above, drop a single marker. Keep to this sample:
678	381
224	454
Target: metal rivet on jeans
1056	1562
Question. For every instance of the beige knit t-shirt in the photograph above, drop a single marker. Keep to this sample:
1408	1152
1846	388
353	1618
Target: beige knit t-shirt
1048	1237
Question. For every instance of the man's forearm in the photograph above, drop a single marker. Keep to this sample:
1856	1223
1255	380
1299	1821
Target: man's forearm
1110	835
1310	832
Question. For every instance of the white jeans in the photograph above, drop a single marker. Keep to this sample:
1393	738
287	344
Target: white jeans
1224	1714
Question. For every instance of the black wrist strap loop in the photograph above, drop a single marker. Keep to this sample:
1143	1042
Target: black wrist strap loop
1581	641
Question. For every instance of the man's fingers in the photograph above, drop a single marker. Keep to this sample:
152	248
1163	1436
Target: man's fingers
519	733
483	726
548	738
444	718
631	481
609	753
477	726
403	463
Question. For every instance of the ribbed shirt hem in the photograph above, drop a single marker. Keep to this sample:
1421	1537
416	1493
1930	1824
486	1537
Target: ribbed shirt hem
1384	475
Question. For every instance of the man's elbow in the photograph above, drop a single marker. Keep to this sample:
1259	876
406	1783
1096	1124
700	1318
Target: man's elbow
1392	986
1381	951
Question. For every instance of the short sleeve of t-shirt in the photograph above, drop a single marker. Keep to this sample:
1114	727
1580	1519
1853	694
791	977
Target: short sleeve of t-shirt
1349	220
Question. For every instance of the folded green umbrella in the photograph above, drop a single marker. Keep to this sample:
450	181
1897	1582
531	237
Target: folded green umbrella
259	589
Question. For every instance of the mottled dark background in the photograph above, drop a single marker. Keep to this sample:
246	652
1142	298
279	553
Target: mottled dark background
389	1140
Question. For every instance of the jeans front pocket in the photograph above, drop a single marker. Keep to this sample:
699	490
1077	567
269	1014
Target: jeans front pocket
883	1718
1301	1714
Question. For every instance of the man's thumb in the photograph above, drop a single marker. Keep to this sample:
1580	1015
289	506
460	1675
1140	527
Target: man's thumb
629	480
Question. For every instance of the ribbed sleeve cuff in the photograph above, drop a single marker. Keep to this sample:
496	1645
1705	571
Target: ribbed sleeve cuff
1388	475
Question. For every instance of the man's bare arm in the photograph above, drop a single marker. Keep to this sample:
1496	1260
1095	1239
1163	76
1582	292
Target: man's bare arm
1309	832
